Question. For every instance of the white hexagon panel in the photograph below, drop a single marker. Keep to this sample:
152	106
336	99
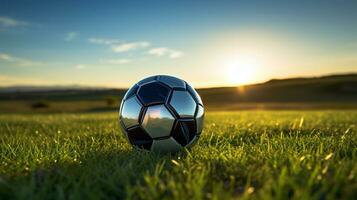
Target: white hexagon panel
158	121
130	112
200	118
173	82
183	103
165	145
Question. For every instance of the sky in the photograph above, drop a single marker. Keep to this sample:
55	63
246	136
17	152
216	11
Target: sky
207	43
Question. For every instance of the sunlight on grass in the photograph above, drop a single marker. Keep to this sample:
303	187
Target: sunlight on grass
260	155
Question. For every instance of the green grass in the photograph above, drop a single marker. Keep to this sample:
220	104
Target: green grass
259	155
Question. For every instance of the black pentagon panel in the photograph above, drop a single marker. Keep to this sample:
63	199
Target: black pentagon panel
139	138
194	94
153	93
184	131
147	80
193	141
172	82
131	91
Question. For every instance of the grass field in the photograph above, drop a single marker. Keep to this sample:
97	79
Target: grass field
250	154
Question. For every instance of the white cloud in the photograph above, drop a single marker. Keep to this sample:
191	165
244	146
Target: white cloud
129	46
164	51
6	57
71	36
80	66
120	47
104	41
22	62
10	22
115	61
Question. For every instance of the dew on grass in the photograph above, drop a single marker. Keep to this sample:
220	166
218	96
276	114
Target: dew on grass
329	156
250	190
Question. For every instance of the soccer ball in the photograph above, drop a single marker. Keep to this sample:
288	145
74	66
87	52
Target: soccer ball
161	114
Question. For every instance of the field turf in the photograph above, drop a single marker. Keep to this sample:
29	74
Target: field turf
248	155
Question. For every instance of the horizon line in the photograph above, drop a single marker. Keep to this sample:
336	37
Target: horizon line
208	87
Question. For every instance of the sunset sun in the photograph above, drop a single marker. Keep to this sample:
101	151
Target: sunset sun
242	69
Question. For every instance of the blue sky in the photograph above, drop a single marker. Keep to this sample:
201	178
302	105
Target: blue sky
208	43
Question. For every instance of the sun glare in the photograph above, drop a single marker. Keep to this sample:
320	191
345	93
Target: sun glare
242	70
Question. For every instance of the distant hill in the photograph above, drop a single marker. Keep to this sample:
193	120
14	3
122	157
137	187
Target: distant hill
30	88
332	88
328	90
